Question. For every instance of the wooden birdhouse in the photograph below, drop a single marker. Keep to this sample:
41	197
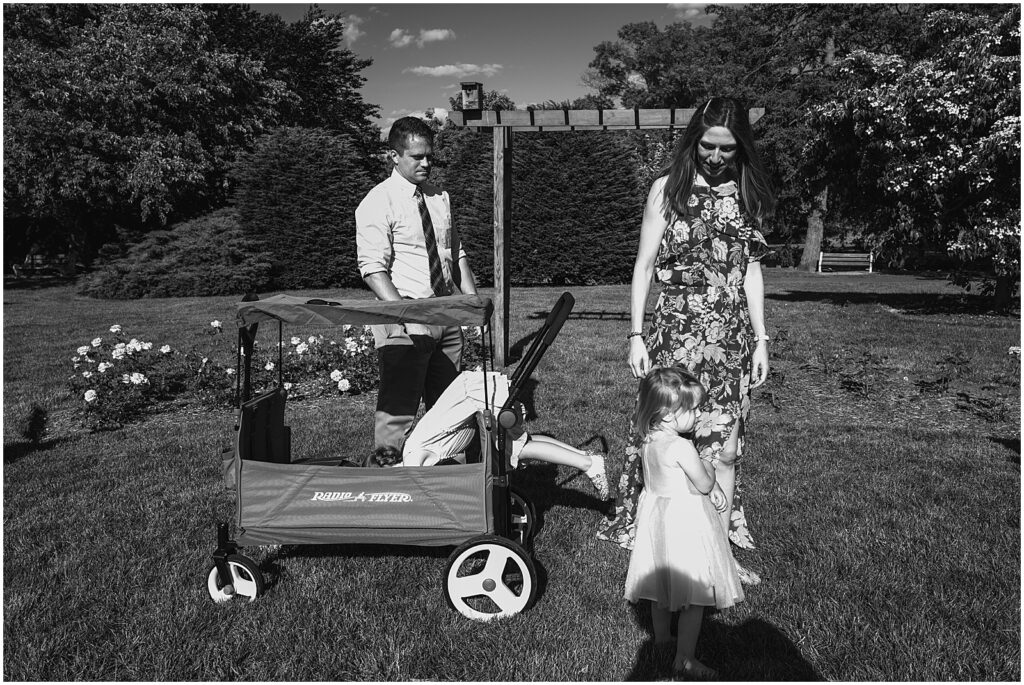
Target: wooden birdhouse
472	95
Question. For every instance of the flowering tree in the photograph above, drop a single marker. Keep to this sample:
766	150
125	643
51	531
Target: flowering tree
928	150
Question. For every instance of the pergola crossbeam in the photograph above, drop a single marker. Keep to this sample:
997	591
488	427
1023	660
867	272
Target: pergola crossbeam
579	119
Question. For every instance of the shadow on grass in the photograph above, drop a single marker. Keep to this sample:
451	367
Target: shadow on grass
755	651
908	303
1012	444
602	315
13	451
37	282
540	483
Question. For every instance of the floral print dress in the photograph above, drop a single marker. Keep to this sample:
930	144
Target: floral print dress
701	323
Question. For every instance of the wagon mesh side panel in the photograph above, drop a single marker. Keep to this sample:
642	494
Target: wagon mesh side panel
309	504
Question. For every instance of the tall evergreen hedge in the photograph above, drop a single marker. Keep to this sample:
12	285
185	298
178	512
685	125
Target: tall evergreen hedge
297	195
577	202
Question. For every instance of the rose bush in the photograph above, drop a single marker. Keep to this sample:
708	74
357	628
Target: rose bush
118	379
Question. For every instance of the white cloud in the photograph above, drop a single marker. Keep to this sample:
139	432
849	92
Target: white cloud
434	35
457	70
352	32
399	38
692	13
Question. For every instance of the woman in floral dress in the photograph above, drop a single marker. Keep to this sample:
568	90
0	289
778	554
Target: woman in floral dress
701	238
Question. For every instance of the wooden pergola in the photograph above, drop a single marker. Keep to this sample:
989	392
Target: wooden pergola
503	123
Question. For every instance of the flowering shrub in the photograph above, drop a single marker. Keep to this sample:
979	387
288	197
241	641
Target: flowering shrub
118	379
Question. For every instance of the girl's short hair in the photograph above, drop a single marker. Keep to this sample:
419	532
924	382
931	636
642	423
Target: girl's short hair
663	391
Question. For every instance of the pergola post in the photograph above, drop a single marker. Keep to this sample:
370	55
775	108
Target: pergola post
502	238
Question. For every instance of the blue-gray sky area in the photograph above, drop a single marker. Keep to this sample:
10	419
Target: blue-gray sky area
533	52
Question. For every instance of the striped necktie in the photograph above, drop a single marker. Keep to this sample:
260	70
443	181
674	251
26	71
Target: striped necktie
437	283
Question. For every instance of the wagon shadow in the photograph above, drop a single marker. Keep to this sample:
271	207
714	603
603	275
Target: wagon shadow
753	651
273	571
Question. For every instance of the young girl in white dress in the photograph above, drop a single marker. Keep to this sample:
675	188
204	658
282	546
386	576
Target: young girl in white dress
681	559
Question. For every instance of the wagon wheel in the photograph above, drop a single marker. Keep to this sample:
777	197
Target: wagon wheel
524	518
489	577
246	580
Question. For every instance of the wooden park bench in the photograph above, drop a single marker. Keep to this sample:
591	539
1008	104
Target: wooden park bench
854	260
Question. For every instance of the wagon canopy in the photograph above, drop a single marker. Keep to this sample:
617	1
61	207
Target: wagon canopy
452	310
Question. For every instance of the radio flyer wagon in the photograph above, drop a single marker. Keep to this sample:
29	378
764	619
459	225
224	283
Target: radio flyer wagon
285	501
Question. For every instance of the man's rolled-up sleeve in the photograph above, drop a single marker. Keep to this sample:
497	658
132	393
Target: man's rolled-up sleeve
374	250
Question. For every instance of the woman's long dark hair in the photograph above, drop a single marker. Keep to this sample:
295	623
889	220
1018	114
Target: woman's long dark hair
755	189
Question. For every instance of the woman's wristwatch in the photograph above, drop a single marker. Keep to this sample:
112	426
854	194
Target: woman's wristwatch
634	334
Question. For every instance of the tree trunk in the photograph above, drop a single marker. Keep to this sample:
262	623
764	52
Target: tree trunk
815	232
816	219
1003	294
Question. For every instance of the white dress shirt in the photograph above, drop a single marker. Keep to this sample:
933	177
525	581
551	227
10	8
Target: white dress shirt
389	235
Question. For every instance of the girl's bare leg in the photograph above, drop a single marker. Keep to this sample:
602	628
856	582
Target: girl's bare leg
686	644
662	622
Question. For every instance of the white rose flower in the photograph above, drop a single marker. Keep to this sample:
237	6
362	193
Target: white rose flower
269	366
102	368
295	340
312	339
287	386
138	379
165	349
336	375
96	342
147	345
117	353
215	324
84	349
115	328
90	395
230	372
301	348
125	378
87	374
343	385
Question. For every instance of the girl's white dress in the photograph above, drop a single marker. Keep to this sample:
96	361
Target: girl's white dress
681	555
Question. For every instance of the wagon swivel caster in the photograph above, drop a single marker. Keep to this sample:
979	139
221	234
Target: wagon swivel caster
246	581
489	577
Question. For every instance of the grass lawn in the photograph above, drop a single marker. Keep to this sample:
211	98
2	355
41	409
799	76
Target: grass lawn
882	484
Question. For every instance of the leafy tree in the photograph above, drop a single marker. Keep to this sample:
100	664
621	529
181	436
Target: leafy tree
322	77
929	149
768	55
120	114
297	195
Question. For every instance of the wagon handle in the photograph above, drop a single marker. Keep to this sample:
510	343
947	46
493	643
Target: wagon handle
552	325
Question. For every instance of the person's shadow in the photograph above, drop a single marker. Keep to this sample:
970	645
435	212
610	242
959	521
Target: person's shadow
755	650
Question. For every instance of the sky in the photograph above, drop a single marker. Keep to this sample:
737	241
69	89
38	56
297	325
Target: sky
532	52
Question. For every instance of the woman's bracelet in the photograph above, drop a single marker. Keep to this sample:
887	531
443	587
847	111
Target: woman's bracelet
633	334
764	337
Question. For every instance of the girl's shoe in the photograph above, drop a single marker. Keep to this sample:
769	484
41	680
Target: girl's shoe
691	668
597	475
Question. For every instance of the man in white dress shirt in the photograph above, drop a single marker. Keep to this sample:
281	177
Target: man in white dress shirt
407	247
